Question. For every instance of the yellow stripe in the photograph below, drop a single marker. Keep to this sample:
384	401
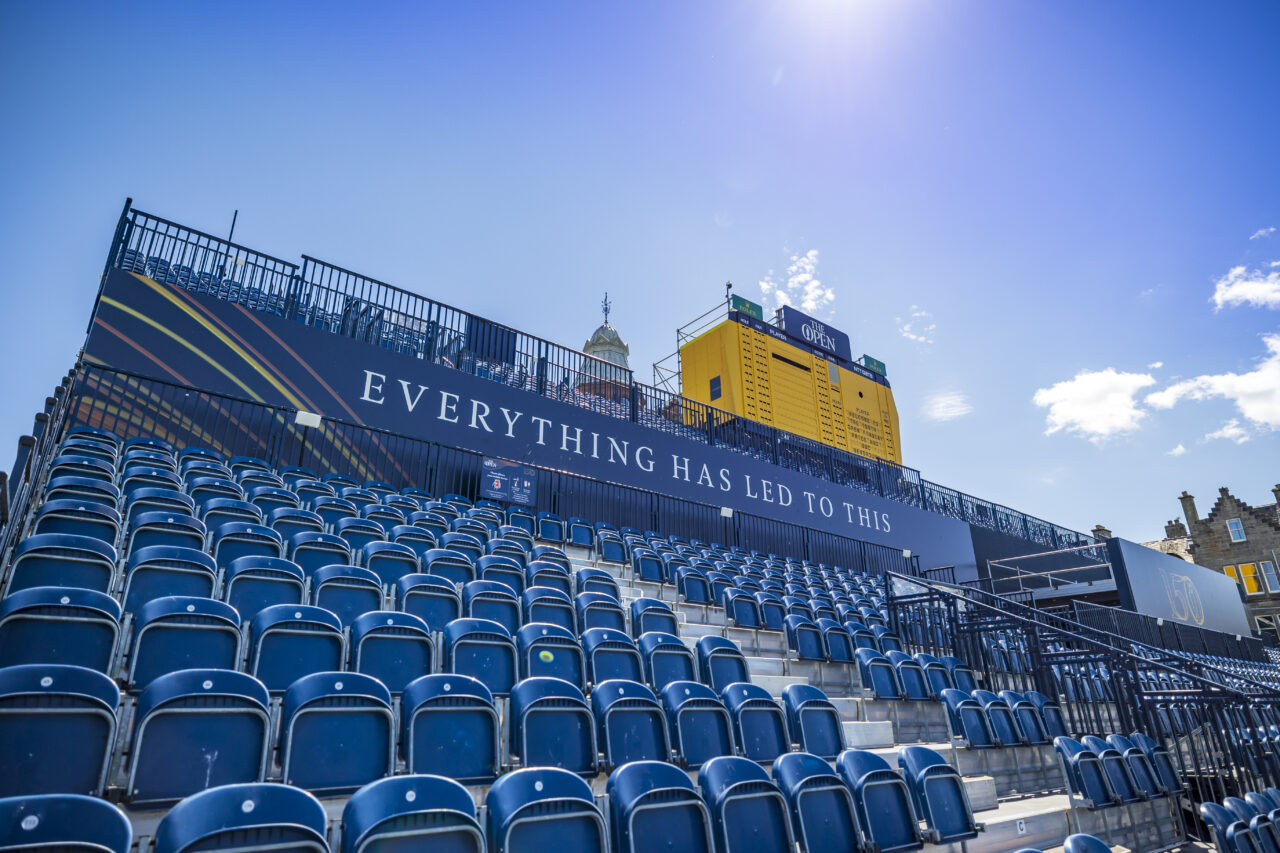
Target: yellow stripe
125	308
230	344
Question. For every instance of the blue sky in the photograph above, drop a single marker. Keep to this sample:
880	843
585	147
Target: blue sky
1025	209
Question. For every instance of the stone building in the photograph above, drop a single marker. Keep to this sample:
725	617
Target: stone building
1243	542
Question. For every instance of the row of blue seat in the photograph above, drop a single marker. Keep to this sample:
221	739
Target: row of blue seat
1248	825
195	728
736	807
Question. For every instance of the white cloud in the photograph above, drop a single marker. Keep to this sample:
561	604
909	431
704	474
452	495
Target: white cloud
1094	404
1256	394
918	327
1155	365
946	406
801	289
1177	451
1252	287
1231	431
1263	232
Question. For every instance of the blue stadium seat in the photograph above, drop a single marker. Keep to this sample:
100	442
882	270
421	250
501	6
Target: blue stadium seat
239	539
394	648
886	640
449	727
346	591
550	651
610	548
312	551
389	560
546	604
650	614
1230	833
550	528
503	569
161	570
581	533
804	638
416	539
57	729
215	512
813	720
938	795
253	583
609	655
83	466
468	545
1085	773
879	675
548	574
599	610
694	585
1055	724
358	532
666	659
48	624
59	559
630	724
244	818
822	811
882	802
543	808
158	500
1080	843
182	632
969	721
748	813
910	675
386	517
63	822
432	599
288	521
759	725
698	722
288	641
1166	772
482	649
551	726
961	674
1000	716
332	510
773	612
1119	775
78	518
197	729
337	732
164	528
521	518
720	662
837	641
453	566
405	811
1027	717
654	806
742	609
647	566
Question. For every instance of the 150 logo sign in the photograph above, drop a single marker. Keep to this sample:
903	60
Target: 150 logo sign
1184	598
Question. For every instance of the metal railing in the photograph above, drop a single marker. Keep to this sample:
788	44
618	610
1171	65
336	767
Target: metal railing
1168	634
344	302
1215	723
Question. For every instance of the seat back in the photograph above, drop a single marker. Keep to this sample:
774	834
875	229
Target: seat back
748	812
394	648
699	723
813	720
337	732
482	649
449	727
243	818
822	810
431	811
288	641
654	806
63	822
543	808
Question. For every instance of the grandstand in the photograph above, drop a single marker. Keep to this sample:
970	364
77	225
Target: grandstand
257	594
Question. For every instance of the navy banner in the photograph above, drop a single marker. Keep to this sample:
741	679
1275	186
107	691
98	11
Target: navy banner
165	332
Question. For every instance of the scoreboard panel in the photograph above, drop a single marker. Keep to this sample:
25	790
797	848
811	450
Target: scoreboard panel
756	371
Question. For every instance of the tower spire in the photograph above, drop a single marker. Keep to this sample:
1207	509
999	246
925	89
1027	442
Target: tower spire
605	306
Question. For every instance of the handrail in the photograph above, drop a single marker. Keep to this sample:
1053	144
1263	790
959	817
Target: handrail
1078	631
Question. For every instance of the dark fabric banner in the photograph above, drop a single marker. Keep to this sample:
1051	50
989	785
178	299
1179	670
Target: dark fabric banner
168	333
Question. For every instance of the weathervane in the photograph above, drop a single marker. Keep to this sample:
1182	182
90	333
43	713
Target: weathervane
605	305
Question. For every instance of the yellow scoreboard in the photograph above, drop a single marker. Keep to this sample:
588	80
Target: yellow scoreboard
756	371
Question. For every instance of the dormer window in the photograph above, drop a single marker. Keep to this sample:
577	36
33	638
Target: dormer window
1236	529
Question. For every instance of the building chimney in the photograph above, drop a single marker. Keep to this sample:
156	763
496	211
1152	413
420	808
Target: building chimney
1100	532
1175	529
1189	509
1224	491
1275	490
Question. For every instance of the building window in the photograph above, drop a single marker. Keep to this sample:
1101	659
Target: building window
1236	529
1269	629
1269	572
1246	575
715	388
